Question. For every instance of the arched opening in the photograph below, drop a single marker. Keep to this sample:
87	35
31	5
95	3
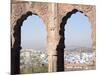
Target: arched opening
78	31
78	43
33	43
38	42
61	46
33	33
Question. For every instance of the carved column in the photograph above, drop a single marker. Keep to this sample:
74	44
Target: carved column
92	17
52	42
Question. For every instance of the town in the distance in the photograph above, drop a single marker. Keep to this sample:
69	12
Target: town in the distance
80	58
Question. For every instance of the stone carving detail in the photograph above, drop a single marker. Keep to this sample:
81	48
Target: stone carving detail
84	8
17	9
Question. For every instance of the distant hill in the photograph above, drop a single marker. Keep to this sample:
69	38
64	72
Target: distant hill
78	49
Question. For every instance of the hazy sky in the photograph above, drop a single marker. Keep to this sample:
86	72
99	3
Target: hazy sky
33	33
77	32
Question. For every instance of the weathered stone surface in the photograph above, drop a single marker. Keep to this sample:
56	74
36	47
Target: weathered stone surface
52	15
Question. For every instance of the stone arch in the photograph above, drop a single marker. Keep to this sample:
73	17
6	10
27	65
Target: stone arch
17	28
52	15
61	44
16	47
21	8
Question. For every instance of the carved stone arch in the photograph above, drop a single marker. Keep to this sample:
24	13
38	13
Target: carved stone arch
19	23
16	47
17	29
52	15
61	45
41	9
19	12
20	8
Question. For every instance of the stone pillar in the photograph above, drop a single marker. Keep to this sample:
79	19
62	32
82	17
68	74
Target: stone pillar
94	32
52	42
92	18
